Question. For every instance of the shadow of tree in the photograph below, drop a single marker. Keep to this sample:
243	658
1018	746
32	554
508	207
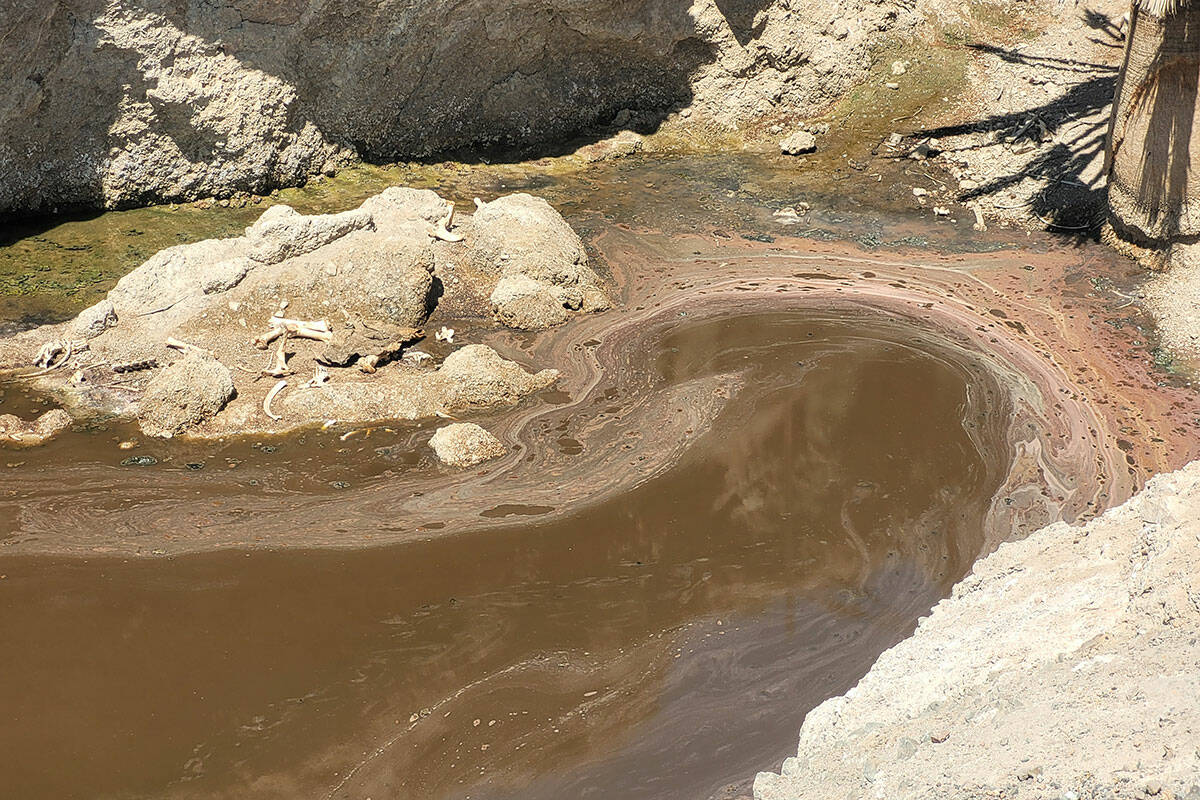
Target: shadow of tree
1065	135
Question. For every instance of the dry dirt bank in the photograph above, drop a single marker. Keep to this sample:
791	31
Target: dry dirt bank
1066	665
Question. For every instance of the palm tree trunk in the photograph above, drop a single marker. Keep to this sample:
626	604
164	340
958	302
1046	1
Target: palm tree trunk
1154	135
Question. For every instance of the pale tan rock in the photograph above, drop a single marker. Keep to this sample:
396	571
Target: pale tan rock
16	432
185	394
465	444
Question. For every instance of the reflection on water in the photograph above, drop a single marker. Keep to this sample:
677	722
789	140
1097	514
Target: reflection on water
662	644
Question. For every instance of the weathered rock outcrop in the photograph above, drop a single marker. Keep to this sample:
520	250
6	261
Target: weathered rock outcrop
1066	665
329	307
118	103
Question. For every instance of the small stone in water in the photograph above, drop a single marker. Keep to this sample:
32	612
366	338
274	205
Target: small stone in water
139	461
128	444
194	465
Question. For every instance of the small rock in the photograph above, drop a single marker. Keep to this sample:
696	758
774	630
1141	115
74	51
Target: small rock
941	211
139	461
937	737
892	86
798	143
1153	787
465	444
15	431
919	192
1029	773
899	67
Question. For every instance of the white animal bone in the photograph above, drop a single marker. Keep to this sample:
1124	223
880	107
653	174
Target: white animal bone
276	389
301	329
279	367
50	351
185	347
441	230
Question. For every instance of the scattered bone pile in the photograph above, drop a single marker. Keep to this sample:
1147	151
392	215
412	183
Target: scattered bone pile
315	320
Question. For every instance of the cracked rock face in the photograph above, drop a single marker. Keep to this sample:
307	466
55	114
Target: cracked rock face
115	103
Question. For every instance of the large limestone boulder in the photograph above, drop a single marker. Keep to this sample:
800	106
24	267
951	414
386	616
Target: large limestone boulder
185	394
178	273
540	263
478	375
465	444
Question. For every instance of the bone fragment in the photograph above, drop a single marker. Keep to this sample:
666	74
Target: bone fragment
48	355
185	347
305	329
301	329
276	389
279	367
440	232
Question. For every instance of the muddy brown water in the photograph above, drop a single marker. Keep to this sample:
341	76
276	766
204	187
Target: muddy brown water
758	471
665	643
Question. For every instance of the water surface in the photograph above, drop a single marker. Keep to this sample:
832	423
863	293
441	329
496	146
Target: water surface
662	644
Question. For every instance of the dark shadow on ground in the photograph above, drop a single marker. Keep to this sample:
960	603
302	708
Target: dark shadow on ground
1069	204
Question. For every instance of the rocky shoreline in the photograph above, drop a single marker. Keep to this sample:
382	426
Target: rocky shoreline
332	304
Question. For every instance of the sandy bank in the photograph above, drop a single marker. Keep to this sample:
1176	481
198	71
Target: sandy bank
1065	665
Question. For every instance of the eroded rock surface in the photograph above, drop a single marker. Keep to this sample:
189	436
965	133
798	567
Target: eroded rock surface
332	304
465	444
1064	665
122	103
